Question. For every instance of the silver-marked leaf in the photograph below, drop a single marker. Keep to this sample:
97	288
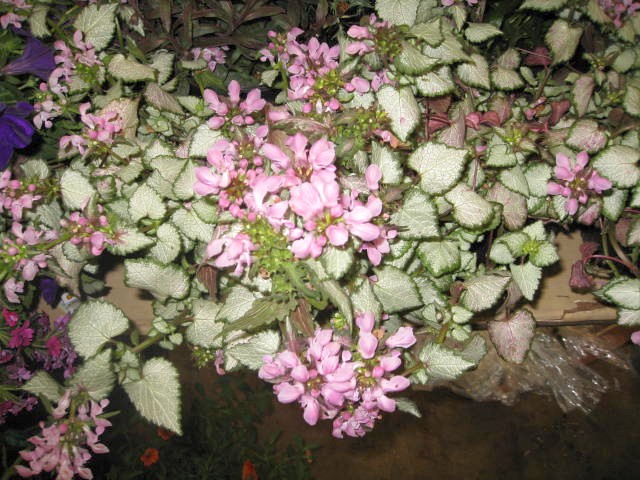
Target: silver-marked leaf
157	394
631	101
398	12
481	292
514	205
543	5
205	329
94	323
364	300
585	135
417	218
476	72
512	338
98	24
439	257
129	240
162	281
402	109
440	166
129	70
629	318
167	246
388	162
469	209
44	385
191	226
76	189
562	40
412	61
146	203
430	31
396	290
625	293
407	406
237	303
442	363
481	32
515	179
249	351
96	376
581	93
337	261
202	140
527	277
613	204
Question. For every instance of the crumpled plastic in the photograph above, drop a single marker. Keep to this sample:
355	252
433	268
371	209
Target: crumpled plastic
556	365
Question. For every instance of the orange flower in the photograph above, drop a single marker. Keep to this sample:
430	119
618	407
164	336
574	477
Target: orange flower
164	434
249	471
150	456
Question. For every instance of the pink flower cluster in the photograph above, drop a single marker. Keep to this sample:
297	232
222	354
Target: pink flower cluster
577	182
101	128
15	195
46	108
18	11
77	62
448	3
232	111
214	56
619	10
333	379
295	188
93	233
67	444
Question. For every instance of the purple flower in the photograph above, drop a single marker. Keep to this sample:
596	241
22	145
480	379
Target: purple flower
48	290
15	130
37	59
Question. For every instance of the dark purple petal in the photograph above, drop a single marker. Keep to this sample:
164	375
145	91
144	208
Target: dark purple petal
16	131
37	59
20	109
49	290
5	154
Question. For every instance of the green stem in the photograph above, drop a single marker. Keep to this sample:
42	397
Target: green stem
621	254
605	250
413	369
146	343
442	334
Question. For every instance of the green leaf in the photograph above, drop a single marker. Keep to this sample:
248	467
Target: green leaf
129	240
97	24
396	290
501	154
546	254
398	12
190	225
94	323
440	166
481	32
442	363
562	40
402	109
449	51
618	164
407	406
44	385
35	169
162	281
629	318
476	72
237	303
263	312
527	277
337	261
515	179
202	141
506	79
38	21
388	162
205	329
167	246
183	185
435	84
430	31
157	394
613	203
625	293
543	5
631	102
129	70
338	296
250	350
514	205
512	338
146	203
76	189
417	218
481	292
439	257
364	300
469	208
96	376
412	61
585	135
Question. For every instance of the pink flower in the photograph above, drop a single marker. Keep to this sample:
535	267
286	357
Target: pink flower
403	338
232	251
12	288
577	181
21	336
10	318
635	337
